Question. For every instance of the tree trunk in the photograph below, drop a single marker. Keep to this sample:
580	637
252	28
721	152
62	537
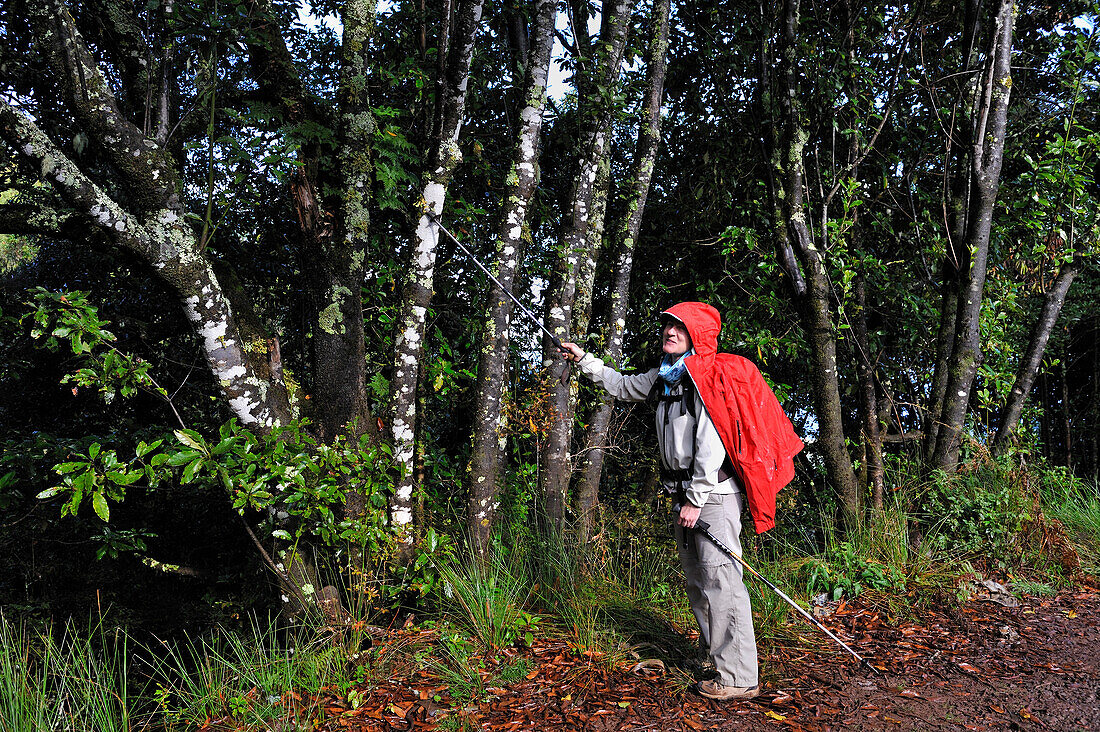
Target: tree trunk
417	292
595	109
988	139
339	346
868	402
816	315
625	235
1067	422
485	459
154	229
1053	300
955	210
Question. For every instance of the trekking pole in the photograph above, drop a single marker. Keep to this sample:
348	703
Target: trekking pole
530	316
704	528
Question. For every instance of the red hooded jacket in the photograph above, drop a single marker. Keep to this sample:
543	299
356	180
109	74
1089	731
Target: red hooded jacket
755	430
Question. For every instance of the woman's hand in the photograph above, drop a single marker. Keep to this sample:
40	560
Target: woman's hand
689	514
571	351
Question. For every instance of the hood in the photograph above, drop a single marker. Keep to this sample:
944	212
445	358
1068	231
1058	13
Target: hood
703	324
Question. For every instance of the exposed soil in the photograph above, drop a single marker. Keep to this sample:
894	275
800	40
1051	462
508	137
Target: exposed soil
981	667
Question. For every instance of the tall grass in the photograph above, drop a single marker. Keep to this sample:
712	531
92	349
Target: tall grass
256	677
1076	503
487	595
73	683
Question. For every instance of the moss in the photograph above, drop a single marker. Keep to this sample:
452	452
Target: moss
331	319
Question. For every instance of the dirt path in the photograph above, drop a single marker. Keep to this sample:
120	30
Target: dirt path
982	667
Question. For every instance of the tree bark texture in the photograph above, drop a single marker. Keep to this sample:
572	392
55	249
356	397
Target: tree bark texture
488	440
816	305
595	108
988	139
625	237
339	344
417	291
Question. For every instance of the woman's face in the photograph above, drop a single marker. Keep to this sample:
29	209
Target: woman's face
675	340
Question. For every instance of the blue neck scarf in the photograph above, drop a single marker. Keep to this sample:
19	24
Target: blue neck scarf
671	372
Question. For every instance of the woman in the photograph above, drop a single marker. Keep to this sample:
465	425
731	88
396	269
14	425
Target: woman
695	468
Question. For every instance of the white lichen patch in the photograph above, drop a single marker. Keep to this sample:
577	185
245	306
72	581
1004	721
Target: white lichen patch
243	407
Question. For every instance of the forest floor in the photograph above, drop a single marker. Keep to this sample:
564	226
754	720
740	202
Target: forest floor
981	666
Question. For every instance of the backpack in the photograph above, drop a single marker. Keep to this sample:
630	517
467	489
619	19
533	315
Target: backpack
759	438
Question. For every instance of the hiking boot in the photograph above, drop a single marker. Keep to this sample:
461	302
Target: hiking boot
715	690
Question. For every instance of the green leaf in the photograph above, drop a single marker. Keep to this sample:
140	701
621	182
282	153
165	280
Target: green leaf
190	438
124	478
93	451
99	503
49	492
143	449
191	470
182	458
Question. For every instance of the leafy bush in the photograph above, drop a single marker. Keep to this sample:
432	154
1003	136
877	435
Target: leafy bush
845	570
977	511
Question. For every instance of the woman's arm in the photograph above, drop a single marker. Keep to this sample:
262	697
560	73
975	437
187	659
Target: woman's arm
628	388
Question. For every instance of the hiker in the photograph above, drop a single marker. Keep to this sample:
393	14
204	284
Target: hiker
696	470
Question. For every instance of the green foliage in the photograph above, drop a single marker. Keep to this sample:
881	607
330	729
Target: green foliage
976	511
299	483
98	476
488	594
287	472
248	676
69	321
395	163
421	577
846	571
1076	503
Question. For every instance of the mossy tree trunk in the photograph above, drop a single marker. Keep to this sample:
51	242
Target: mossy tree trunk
595	107
625	237
134	201
987	153
493	360
416	297
793	231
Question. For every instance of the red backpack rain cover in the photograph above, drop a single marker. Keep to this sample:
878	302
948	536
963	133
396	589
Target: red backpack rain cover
755	431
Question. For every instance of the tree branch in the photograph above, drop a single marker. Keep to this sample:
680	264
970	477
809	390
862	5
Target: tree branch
146	170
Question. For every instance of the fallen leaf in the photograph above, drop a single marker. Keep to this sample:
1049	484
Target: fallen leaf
910	693
969	668
782	699
774	715
1026	714
997	709
1071	614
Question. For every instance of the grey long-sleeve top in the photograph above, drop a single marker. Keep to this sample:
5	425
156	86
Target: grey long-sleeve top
685	442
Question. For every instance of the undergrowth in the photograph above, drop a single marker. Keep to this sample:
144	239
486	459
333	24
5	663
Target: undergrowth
615	600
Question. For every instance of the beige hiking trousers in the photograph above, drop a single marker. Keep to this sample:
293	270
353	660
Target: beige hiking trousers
717	593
